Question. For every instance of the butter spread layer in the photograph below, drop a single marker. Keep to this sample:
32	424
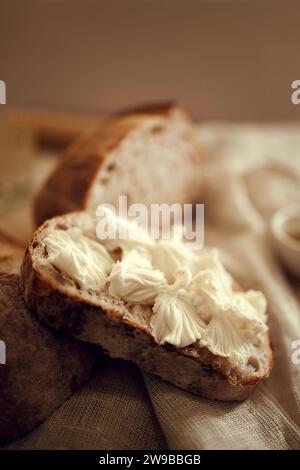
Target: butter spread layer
135	280
175	320
169	255
191	294
84	260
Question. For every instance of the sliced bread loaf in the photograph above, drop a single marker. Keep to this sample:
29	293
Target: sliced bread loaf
150	155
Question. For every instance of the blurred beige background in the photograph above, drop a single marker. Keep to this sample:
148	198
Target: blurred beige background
221	59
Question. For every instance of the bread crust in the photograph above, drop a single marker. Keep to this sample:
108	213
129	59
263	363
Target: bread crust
43	367
68	187
163	108
193	368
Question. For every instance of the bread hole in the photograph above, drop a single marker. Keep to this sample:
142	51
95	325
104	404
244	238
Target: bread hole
111	167
116	254
76	284
253	362
157	129
207	318
61	226
35	245
45	252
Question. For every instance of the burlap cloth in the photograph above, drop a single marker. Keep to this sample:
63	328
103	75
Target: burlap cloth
250	172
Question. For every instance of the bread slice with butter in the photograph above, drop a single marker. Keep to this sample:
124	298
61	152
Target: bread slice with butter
39	368
130	154
190	328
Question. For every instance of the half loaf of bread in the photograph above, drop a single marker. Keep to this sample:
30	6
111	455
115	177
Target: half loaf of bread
150	154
